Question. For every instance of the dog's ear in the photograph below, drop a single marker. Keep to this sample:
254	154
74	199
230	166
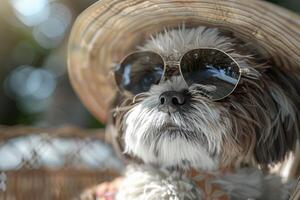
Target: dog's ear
278	134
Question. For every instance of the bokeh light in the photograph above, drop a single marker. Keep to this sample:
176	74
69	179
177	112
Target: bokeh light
49	20
50	32
34	85
31	12
30	87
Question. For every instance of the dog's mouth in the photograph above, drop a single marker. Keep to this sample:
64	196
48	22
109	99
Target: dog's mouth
173	128
170	127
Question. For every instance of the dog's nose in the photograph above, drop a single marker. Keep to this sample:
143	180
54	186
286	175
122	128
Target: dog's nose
170	101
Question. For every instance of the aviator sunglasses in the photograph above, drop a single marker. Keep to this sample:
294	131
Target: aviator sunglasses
138	71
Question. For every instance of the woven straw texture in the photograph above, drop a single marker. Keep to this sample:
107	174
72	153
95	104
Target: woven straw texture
31	180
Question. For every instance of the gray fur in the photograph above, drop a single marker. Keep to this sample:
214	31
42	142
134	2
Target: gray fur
145	182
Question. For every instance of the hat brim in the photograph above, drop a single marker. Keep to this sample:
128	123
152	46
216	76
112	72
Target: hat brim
110	29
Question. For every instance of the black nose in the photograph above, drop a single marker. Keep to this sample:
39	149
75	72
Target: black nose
170	101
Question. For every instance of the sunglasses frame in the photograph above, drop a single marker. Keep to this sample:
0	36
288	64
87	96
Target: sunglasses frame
178	66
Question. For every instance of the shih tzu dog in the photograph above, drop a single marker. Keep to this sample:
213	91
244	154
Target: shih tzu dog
198	99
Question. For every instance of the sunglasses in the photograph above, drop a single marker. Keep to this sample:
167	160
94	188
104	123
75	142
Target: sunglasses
138	71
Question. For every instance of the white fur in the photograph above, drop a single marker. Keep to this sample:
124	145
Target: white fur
144	121
148	183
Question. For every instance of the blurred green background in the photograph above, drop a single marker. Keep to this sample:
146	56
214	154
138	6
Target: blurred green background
34	86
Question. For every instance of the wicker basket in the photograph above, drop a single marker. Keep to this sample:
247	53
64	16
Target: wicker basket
31	179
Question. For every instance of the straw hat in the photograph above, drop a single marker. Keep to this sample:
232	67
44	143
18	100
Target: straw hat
110	29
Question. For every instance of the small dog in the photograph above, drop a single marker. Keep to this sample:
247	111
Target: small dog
171	115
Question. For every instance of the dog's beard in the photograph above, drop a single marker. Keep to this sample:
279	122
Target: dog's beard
191	137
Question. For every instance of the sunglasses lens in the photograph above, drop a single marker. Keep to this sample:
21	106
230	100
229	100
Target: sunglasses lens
139	71
211	67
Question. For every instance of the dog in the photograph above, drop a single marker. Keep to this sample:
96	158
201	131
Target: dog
169	122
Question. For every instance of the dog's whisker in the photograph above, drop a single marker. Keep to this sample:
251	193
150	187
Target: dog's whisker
139	97
122	108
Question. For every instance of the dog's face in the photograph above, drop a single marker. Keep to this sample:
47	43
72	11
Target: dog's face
176	125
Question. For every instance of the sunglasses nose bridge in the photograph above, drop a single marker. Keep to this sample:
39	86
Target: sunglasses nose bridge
172	69
173	64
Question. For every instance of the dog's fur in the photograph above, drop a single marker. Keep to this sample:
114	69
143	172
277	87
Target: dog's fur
147	182
258	124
